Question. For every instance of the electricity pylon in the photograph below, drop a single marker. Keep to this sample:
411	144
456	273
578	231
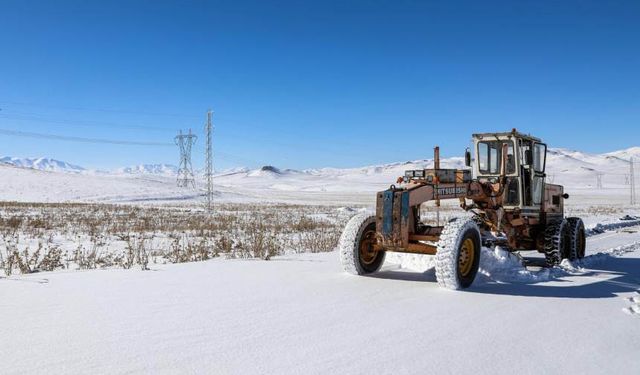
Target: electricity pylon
632	183
208	173
185	169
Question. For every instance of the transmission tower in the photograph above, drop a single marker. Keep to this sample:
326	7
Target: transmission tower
632	182
208	173
599	180
185	170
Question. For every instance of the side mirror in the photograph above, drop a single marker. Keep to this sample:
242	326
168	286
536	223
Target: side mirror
467	157
528	157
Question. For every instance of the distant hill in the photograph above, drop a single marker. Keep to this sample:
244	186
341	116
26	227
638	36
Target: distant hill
156	169
563	166
42	164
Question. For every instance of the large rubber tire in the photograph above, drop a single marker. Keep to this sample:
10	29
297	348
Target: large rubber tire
556	242
356	251
577	238
458	255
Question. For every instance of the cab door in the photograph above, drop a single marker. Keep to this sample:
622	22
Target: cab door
534	157
539	161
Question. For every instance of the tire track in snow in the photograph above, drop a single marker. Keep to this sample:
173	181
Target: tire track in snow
605	227
634	308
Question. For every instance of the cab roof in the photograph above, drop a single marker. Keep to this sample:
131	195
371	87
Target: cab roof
513	133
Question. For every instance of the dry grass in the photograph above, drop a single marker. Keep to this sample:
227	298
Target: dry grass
46	237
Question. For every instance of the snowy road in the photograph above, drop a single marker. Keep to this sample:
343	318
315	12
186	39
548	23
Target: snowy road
303	315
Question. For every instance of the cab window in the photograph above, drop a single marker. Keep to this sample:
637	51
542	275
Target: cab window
539	157
490	157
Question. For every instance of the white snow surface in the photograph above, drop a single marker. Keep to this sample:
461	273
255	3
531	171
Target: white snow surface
153	169
303	314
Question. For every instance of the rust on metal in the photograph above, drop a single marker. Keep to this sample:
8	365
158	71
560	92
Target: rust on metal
422	237
497	198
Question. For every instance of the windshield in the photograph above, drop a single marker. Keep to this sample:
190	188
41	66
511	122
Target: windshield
490	157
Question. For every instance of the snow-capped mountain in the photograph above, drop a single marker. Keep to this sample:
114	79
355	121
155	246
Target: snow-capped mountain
24	181
389	168
559	161
232	171
270	171
626	154
43	164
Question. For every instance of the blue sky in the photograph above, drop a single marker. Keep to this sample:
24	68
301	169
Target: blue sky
304	84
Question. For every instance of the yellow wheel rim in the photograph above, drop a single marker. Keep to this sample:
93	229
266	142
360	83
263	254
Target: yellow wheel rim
466	257
368	252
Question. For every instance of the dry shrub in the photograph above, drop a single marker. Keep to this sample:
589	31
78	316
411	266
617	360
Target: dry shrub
260	240
45	258
320	240
100	236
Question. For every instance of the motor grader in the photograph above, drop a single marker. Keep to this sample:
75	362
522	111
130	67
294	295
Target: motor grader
508	204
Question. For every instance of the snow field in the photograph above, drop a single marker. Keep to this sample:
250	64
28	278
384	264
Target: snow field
302	314
634	308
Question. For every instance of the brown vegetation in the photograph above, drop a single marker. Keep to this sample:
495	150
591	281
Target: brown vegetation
45	237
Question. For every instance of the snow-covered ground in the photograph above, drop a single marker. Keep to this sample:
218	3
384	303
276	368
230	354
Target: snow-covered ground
302	314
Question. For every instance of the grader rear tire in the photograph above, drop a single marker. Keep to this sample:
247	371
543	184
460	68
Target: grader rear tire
556	242
357	253
458	254
577	238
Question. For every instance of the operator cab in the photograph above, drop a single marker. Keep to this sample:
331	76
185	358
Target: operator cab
525	165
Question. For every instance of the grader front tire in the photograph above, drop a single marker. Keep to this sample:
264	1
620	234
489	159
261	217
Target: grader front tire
458	255
358	254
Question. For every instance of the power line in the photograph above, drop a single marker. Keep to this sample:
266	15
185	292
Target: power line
86	123
18	133
93	123
93	109
23	116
